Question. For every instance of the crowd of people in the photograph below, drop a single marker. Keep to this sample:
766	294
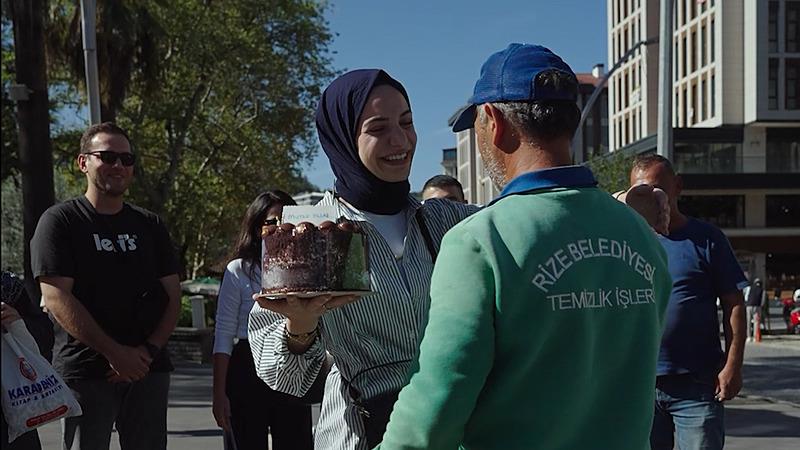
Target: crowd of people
558	316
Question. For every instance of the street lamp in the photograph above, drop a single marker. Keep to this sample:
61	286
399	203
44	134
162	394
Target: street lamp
88	8
599	88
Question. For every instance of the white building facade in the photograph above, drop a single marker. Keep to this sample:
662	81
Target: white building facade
736	113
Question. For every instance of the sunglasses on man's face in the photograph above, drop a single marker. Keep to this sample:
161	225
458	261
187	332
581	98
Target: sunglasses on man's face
110	158
272	221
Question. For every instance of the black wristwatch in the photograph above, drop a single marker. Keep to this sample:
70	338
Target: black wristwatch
153	350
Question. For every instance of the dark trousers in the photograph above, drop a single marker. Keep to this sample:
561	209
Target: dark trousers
27	441
138	409
257	410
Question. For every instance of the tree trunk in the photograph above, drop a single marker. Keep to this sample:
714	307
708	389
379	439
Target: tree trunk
33	120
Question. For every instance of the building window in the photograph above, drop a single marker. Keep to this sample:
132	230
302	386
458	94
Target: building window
693	113
684	108
708	158
792	82
783	150
683	57
703	99
692	10
675	106
713	97
625	91
772	27
772	84
675	54
692	48
623	41
792	28
713	41
724	211
783	211
703	41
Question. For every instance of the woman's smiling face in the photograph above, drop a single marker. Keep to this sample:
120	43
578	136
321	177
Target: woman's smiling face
386	138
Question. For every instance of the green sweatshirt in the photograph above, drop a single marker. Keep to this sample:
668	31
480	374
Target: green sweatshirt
545	320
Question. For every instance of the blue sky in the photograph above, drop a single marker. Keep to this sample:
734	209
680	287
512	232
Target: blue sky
436	48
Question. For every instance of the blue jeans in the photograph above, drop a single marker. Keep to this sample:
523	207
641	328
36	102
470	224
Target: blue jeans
686	412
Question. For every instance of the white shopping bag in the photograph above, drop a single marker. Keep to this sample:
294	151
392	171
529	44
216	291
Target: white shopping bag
33	393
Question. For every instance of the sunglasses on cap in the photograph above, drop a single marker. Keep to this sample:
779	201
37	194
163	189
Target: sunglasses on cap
109	157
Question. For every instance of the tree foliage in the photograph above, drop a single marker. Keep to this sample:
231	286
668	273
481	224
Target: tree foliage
612	170
9	164
217	97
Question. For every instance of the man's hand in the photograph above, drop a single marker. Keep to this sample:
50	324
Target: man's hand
221	407
8	314
729	383
651	203
128	364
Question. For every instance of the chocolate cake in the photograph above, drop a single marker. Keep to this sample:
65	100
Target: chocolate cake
307	258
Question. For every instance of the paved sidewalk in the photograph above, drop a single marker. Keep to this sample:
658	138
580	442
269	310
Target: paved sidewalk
190	422
759	423
752	422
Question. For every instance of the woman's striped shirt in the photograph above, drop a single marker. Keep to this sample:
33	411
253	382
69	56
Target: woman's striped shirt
382	329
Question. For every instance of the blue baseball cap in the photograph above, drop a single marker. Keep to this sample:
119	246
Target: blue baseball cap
510	75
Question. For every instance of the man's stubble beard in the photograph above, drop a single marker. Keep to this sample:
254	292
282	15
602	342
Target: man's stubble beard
106	188
494	167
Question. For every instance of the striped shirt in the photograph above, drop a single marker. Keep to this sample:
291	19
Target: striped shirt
371	341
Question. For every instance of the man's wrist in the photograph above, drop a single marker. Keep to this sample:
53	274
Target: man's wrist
152	349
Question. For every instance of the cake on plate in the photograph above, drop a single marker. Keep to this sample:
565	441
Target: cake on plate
307	258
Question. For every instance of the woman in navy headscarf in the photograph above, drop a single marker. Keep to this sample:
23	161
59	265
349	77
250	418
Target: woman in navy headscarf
363	349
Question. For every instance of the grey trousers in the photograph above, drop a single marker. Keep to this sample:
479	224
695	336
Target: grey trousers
138	410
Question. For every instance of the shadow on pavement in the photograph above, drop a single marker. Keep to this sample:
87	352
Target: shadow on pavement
760	423
197	433
190	383
773	377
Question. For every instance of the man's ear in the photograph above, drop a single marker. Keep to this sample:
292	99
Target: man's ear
497	124
678	185
81	161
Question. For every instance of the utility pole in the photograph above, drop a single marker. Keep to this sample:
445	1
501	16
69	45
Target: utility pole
33	121
665	82
88	19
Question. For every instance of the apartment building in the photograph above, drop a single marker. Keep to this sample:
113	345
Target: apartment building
736	81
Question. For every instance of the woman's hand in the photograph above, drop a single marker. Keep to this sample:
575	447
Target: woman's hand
303	313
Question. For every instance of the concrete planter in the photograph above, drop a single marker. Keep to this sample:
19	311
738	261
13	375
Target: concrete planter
191	344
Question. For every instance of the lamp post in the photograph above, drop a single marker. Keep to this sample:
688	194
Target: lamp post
664	146
587	108
88	8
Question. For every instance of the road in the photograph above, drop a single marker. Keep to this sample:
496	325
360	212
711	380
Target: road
765	416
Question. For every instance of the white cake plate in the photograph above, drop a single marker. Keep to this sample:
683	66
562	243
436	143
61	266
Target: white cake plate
308	294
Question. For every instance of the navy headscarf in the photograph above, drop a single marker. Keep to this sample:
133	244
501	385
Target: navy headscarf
337	121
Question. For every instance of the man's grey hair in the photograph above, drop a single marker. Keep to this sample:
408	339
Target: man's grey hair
543	120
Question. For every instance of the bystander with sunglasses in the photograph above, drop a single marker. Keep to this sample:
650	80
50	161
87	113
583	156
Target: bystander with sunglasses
109	277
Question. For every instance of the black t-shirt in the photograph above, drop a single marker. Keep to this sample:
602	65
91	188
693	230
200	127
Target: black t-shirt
116	261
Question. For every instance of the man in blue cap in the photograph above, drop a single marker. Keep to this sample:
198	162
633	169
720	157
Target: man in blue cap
547	305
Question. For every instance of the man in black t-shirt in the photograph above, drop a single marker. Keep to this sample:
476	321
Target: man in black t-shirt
108	275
